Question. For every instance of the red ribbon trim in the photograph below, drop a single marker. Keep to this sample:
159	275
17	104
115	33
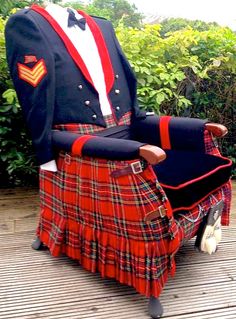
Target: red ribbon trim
102	50
78	144
164	132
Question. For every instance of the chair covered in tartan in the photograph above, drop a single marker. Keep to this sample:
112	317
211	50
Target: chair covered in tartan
126	223
128	192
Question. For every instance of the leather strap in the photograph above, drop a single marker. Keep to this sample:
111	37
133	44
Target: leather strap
119	131
160	212
133	168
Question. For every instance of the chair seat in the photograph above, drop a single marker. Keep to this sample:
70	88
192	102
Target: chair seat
189	177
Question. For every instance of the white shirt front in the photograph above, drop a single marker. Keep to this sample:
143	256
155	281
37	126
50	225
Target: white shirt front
85	44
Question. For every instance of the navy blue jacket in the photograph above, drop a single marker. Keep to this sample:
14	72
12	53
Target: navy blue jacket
62	93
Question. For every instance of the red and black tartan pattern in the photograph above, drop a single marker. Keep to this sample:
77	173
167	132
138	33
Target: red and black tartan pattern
90	128
211	147
100	221
189	222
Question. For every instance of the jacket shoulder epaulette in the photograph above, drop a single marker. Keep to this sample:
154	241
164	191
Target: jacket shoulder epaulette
98	17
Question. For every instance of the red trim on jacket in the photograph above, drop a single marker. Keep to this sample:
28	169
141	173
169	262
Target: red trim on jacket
102	50
68	44
100	42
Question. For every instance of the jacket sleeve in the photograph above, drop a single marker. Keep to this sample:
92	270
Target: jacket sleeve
31	65
32	68
96	146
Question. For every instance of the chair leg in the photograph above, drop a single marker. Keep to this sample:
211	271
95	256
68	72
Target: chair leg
155	308
37	244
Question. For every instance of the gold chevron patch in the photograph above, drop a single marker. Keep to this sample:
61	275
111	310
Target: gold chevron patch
32	75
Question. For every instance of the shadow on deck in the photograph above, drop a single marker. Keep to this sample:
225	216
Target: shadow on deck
35	285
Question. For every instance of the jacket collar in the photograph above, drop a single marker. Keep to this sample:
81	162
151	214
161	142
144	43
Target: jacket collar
99	39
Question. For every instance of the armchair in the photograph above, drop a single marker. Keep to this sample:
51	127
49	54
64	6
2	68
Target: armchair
130	187
114	216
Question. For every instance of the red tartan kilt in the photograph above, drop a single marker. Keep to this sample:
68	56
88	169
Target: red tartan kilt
100	221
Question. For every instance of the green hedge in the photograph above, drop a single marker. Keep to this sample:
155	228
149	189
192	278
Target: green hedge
186	73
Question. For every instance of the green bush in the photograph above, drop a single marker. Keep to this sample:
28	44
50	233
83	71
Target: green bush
175	24
187	73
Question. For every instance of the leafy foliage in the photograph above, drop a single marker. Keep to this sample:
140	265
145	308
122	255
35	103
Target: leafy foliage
120	9
8	5
113	10
175	24
89	8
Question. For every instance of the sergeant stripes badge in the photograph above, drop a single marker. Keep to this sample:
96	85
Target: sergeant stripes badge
32	75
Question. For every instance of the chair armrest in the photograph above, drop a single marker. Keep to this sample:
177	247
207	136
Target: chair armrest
171	132
104	147
218	130
152	154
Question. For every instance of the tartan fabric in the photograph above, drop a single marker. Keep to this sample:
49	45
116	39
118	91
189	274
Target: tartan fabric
90	128
189	222
211	147
100	221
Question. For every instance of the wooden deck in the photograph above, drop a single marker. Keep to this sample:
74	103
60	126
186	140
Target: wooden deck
34	285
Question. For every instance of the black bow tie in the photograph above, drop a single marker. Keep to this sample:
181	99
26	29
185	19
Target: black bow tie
72	20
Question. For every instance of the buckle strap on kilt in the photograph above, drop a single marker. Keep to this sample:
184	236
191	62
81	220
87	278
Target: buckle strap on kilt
134	168
160	212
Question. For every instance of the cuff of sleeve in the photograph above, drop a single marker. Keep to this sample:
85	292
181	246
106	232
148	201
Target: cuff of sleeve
49	166
79	143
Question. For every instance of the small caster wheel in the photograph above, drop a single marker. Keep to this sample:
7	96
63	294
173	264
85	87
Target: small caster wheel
155	308
37	244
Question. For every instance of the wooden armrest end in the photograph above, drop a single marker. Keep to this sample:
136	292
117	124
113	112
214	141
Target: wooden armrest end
216	129
152	154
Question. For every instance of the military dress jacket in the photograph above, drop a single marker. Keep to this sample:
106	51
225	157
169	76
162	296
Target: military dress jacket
54	86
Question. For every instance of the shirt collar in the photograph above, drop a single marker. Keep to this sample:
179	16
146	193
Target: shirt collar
60	12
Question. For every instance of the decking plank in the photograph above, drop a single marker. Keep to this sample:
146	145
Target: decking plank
203	299
18	192
36	285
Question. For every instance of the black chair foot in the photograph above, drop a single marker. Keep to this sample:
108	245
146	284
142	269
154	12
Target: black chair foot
37	244
155	308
